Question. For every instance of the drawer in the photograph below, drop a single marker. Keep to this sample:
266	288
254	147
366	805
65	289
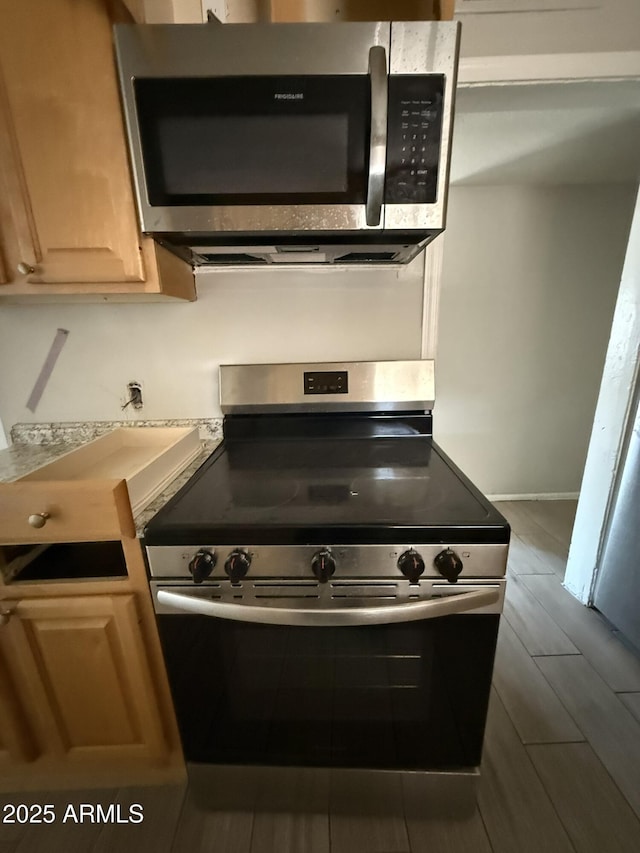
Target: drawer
81	511
148	458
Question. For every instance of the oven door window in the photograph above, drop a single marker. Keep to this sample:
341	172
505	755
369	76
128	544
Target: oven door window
405	696
254	140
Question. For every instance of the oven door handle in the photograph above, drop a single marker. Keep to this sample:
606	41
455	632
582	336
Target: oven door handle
378	141
328	617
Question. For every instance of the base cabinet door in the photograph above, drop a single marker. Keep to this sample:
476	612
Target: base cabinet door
17	741
79	668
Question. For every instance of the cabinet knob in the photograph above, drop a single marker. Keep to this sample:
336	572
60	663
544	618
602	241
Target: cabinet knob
39	519
5	615
25	269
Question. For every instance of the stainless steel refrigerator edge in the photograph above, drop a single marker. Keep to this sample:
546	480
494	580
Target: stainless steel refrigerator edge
617	585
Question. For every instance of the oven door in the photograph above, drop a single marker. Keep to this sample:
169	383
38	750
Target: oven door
365	684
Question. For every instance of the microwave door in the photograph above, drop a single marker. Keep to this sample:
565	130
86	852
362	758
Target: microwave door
259	154
249	129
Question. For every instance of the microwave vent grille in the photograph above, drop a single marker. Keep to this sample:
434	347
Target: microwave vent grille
365	257
233	258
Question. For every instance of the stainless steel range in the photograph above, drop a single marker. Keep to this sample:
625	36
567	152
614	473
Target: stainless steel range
328	584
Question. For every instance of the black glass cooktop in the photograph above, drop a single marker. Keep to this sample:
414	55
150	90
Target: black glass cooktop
313	491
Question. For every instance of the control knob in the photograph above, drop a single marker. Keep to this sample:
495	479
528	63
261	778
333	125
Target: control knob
323	565
202	565
411	565
237	565
448	564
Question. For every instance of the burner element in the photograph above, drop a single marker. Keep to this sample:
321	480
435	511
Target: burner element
323	565
237	565
448	564
202	565
411	565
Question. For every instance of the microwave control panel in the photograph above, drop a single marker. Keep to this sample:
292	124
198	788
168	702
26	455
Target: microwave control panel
414	128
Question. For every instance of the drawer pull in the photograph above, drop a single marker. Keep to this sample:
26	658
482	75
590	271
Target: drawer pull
25	268
5	615
39	519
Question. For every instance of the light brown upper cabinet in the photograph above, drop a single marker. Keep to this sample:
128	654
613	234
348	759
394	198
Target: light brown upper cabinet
327	11
67	214
354	10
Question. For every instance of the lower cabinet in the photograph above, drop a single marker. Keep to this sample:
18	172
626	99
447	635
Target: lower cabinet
75	684
17	743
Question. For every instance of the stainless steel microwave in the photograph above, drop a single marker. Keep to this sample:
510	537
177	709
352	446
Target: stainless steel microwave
280	143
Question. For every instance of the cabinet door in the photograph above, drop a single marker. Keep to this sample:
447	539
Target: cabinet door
346	10
483	6
80	667
17	238
525	30
17	742
63	121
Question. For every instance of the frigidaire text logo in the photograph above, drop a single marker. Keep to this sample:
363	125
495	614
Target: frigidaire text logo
289	96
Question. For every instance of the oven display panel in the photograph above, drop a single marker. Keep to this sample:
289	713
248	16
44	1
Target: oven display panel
326	382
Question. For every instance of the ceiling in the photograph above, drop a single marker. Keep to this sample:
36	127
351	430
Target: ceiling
560	133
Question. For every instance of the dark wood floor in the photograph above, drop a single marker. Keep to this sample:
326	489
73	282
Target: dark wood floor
561	768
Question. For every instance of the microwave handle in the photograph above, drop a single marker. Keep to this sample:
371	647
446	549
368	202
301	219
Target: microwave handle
378	140
325	617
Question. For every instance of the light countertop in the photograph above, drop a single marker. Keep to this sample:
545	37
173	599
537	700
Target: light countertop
19	459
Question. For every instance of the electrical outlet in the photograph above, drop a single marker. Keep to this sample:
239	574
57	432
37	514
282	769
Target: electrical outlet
134	395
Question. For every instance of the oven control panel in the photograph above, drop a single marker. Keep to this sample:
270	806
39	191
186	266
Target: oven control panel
326	382
449	564
323	565
411	564
202	564
237	564
412	561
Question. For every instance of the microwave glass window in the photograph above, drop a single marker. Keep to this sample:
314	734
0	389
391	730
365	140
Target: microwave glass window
243	154
262	140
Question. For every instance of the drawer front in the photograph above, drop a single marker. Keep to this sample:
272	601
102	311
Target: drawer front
71	512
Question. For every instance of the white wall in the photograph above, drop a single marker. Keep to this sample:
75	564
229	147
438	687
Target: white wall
529	287
603	25
565	133
175	349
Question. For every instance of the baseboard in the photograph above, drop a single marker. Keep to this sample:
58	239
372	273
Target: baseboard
544	496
